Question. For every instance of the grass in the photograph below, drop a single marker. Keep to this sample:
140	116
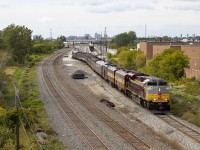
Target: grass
185	100
32	111
10	70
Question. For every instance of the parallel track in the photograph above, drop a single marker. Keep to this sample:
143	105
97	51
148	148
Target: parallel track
93	140
82	98
195	135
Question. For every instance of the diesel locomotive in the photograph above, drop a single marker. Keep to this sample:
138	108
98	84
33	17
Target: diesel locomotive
150	92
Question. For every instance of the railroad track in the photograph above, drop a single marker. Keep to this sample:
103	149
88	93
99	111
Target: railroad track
195	135
92	139
81	96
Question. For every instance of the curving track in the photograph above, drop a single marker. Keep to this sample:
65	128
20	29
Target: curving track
51	66
93	141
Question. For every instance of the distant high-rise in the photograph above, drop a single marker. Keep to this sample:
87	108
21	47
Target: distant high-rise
97	36
105	34
87	36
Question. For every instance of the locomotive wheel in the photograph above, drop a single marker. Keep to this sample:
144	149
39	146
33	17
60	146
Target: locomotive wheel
128	93
142	102
132	96
119	89
148	105
145	104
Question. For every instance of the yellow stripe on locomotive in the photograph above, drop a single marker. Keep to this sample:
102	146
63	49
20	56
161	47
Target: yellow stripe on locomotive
157	98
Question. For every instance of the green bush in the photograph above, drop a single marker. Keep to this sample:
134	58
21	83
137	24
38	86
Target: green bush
42	48
33	103
5	133
128	59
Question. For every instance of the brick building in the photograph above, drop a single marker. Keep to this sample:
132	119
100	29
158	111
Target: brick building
157	49
147	47
191	50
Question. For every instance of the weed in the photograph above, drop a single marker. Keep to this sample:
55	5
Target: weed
185	100
31	112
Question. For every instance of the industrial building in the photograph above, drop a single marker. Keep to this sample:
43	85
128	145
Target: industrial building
192	50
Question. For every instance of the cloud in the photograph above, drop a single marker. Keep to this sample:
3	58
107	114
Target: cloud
144	7
117	7
47	19
109	6
189	0
85	2
95	2
191	7
4	6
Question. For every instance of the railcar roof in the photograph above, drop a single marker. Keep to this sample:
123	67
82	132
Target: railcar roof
101	62
113	68
74	51
95	59
77	51
122	72
152	79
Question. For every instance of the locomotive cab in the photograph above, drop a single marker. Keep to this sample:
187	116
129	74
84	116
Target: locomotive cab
157	93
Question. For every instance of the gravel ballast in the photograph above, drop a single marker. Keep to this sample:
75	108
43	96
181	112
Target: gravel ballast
138	120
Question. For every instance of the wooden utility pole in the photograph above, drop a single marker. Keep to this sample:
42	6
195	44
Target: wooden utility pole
17	120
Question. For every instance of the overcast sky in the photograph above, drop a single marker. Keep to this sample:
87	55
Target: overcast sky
77	17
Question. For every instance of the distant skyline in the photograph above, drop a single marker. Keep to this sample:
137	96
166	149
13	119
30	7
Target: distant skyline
79	17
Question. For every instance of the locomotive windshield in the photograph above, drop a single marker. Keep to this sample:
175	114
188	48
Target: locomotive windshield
162	83
152	83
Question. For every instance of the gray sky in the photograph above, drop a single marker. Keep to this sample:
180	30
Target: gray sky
77	17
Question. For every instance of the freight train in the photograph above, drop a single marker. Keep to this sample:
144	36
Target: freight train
150	92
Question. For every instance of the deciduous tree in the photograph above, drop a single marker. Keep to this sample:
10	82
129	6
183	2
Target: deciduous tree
123	39
168	65
18	40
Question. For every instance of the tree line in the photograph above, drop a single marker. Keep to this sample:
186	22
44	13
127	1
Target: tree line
17	41
18	48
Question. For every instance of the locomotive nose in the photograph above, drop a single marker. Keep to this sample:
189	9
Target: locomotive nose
159	93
